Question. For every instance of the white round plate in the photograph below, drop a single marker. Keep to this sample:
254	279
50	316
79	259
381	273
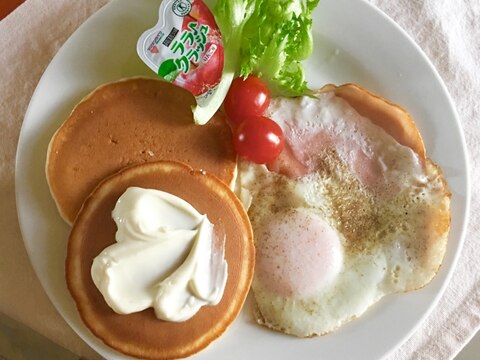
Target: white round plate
354	43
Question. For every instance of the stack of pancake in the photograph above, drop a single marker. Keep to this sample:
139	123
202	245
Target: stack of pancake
140	132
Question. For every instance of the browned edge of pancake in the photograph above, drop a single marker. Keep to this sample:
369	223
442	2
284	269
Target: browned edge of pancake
67	217
82	153
141	334
391	117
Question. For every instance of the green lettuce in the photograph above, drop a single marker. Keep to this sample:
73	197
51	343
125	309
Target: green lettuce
268	38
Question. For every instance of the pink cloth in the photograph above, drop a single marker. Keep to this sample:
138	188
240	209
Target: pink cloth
29	39
449	33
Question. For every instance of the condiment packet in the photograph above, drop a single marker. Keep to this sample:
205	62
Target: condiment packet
185	48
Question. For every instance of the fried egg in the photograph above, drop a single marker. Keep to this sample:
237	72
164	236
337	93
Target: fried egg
367	218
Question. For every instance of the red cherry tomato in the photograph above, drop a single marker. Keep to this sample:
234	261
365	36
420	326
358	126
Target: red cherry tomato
249	97
258	139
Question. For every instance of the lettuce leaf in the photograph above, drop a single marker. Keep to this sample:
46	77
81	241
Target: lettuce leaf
268	38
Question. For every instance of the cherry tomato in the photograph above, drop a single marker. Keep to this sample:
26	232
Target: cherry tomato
249	97
258	139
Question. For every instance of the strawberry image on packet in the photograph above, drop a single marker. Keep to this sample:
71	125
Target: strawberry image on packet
185	48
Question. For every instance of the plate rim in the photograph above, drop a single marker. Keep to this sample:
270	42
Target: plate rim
451	105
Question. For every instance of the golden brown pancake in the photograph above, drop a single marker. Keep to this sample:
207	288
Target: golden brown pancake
129	122
141	334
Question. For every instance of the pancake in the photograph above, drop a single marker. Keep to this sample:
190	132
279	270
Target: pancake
129	122
141	334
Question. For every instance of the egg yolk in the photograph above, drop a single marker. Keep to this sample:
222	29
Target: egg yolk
298	253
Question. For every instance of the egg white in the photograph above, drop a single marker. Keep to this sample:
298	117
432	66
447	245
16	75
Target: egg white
392	232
